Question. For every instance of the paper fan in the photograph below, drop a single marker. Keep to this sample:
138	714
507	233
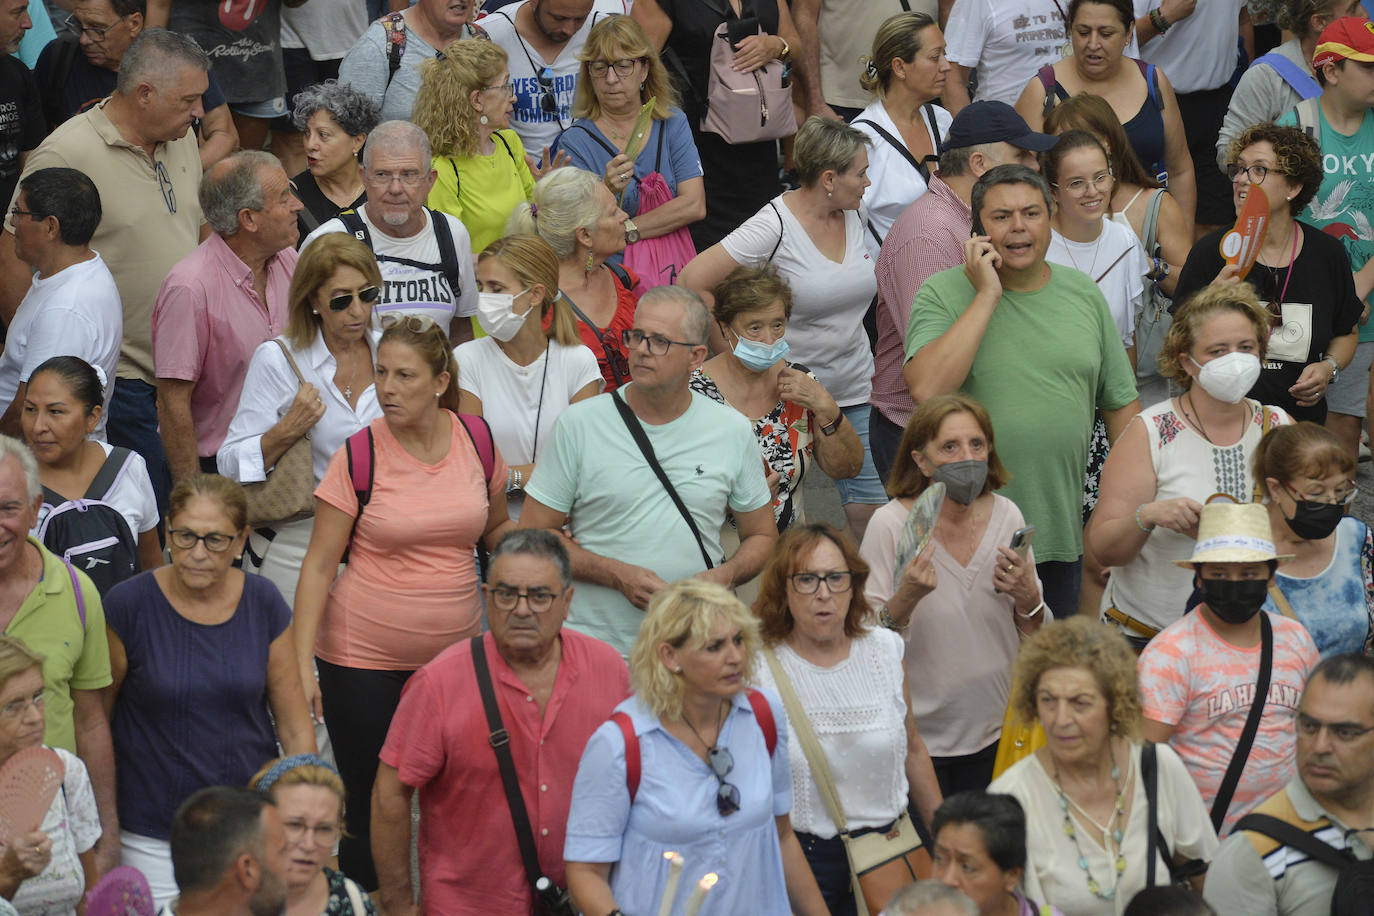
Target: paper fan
919	528
28	782
1242	244
122	892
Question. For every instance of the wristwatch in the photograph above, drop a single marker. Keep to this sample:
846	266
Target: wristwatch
829	428
631	232
786	54
1335	368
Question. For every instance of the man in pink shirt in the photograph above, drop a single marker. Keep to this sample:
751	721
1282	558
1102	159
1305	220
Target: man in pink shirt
553	687
929	237
219	302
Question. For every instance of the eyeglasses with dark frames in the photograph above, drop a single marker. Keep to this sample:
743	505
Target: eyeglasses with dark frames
164	184
15	211
97	34
623	67
367	295
411	178
186	539
657	343
1255	174
806	583
508	599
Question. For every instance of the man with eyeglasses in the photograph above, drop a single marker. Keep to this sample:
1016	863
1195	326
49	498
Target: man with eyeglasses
21	113
219	302
639	527
1329	801
81	67
425	256
542	40
553	687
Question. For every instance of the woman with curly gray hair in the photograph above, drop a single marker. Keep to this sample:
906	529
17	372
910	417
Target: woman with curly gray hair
336	119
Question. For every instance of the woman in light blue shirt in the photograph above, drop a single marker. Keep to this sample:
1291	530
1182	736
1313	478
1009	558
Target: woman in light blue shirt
707	776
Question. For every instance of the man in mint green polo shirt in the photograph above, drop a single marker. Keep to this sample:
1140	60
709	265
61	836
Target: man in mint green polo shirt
1035	343
38	604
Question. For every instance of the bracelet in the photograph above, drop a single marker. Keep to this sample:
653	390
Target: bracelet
514	480
1138	523
886	620
786	54
1158	21
1031	614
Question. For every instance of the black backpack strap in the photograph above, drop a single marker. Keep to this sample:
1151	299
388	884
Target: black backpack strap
448	258
782	229
621	275
355	225
500	136
500	745
1295	837
900	147
642	440
1247	736
108	473
599	142
1155	843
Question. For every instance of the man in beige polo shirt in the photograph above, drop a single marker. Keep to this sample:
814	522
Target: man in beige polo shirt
139	149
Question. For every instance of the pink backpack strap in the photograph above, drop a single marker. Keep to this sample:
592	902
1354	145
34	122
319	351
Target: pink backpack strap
360	458
480	434
764	713
627	729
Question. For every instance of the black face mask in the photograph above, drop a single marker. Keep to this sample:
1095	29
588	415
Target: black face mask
1313	521
1234	601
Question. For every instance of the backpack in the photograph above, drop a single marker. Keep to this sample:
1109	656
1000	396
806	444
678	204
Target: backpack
443	236
1354	877
91	534
362	453
1054	94
1308	112
394	28
65	48
762	712
746	107
1298	79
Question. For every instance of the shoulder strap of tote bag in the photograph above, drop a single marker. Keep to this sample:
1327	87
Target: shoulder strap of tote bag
1247	737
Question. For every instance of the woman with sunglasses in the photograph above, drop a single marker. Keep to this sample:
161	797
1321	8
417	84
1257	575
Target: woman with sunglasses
848	675
713	784
1309	478
329	315
410	589
203	657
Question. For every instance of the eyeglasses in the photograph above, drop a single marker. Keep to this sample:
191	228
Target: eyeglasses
623	67
164	184
15	709
416	324
508	87
507	599
658	344
323	834
806	583
1331	498
1344	732
367	295
727	794
186	539
1253	173
15	211
1079	186
411	178
548	102
97	34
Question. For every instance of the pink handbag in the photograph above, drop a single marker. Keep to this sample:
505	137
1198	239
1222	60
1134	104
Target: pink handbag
658	261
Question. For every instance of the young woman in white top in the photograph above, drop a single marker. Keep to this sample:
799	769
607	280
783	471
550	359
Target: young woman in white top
907	72
848	676
532	364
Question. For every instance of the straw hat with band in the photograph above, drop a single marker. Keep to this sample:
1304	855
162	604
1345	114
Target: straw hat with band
1230	532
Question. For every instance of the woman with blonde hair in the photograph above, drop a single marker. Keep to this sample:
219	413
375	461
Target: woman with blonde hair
714	785
577	215
1178	453
661	188
464	107
531	364
326	340
906	72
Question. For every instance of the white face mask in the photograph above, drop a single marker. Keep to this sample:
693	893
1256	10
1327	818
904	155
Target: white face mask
1229	377
496	312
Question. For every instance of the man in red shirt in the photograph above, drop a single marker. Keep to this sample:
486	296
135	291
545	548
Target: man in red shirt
553	688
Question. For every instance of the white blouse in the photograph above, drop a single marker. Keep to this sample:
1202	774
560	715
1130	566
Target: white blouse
896	184
858	712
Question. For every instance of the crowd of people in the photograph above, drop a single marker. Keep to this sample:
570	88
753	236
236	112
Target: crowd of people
406	411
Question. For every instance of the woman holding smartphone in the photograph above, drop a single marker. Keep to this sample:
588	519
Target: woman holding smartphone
963	603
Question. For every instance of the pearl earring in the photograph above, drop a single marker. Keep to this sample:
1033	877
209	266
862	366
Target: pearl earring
829	194
315	312
483	119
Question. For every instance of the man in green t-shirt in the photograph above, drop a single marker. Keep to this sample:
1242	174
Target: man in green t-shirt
1036	344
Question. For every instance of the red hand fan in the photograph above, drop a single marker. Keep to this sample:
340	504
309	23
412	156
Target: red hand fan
29	781
1242	244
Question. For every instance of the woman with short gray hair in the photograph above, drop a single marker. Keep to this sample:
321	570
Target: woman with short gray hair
335	119
814	238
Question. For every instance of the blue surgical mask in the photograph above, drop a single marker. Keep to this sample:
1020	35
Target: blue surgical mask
759	357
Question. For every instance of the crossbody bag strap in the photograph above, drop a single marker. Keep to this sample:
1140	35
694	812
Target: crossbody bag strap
1151	226
1149	774
601	338
900	147
1264	431
1247	737
500	744
642	440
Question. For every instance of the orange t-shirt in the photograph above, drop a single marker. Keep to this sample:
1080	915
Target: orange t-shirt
410	588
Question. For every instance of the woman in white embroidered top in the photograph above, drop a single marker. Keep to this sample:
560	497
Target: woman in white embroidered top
328	336
907	74
848	677
527	370
1083	792
1178	453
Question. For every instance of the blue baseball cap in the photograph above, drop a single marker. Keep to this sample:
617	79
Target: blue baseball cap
995	122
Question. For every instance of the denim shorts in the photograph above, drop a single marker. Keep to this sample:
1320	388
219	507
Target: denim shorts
868	486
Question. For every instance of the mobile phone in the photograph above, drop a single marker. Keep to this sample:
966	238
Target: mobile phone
1021	540
978	226
736	30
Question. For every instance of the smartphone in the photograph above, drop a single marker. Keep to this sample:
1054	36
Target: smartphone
1021	540
978	225
736	30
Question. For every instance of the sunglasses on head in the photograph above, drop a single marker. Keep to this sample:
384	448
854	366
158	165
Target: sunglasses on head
367	295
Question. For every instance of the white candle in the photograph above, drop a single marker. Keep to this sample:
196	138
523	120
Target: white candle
665	906
698	897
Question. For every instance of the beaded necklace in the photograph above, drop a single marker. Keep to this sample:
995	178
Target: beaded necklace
1111	836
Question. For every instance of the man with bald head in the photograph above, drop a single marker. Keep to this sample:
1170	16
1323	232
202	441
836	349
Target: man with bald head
633	533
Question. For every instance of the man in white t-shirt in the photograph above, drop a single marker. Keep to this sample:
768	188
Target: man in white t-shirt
542	39
420	276
73	307
631	538
1005	42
